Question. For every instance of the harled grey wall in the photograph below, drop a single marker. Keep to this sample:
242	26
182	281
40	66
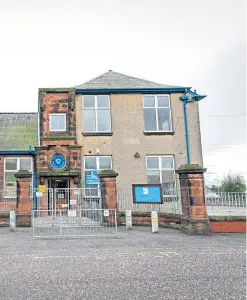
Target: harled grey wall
128	137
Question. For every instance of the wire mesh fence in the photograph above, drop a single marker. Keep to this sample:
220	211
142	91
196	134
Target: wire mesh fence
57	199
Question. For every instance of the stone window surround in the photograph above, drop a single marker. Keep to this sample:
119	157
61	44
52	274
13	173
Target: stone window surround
96	108
65	120
156	107
160	168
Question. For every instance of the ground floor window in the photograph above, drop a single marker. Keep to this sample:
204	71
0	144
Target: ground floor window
160	169
11	166
95	163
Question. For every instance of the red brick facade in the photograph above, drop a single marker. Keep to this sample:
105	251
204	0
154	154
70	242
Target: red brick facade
58	101
73	155
108	187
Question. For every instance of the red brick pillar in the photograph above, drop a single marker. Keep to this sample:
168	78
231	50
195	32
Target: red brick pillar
23	198
194	219
108	189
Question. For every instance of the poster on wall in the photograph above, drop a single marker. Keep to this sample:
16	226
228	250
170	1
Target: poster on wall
92	178
147	193
41	188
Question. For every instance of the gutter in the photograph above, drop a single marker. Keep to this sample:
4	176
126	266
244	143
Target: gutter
131	90
17	152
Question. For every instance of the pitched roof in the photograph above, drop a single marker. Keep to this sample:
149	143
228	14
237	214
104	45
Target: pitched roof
114	80
18	131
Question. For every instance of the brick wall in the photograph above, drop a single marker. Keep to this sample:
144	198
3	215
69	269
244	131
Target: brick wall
55	102
58	142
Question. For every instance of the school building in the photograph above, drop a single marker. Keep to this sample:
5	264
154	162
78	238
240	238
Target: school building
142	130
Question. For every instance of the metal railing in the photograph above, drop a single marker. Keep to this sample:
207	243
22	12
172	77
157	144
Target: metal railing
8	200
74	223
171	202
226	203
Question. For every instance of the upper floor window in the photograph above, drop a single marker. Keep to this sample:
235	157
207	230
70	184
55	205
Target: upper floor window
157	113
57	122
160	169
96	113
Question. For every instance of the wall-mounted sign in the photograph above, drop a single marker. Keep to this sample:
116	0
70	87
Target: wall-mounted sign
76	192
41	188
60	196
147	193
106	213
92	178
58	161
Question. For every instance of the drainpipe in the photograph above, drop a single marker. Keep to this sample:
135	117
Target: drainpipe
34	179
185	100
186	132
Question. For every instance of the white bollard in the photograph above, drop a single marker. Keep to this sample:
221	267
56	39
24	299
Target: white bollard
128	219
12	220
155	221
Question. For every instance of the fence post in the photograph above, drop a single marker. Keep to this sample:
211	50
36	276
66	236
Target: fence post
128	219
194	218
12	220
155	221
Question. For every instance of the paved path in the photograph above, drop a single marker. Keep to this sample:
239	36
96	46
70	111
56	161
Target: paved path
136	265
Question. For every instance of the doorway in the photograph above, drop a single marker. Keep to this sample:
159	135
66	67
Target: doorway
60	195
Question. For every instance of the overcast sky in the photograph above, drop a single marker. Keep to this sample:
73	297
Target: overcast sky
198	43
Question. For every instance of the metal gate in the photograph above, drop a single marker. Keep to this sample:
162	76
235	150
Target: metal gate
71	213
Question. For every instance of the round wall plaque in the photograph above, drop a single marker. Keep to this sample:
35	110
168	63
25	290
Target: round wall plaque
58	161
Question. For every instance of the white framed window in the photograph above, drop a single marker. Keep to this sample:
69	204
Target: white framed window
11	166
95	163
96	113
58	122
160	169
157	113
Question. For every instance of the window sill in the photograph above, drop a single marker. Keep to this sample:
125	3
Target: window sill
56	137
97	133
158	133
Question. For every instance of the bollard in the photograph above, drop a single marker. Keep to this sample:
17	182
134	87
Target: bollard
12	220
155	221
128	219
